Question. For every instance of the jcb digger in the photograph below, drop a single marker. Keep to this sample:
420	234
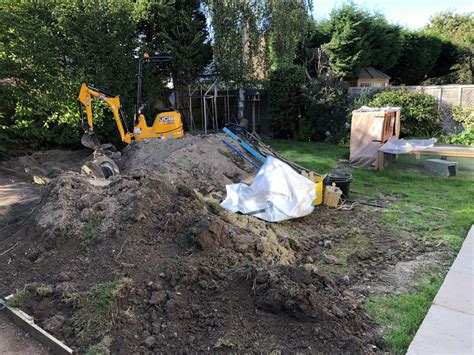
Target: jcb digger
166	124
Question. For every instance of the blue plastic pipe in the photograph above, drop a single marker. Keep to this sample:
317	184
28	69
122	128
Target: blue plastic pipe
247	159
245	145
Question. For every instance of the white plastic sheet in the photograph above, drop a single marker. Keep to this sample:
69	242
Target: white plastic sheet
402	146
278	193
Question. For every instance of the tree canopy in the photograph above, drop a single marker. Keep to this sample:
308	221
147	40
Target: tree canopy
457	29
176	27
48	48
360	39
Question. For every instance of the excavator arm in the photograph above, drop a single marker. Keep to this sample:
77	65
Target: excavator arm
86	94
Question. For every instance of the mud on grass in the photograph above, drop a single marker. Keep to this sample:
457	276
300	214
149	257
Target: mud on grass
430	216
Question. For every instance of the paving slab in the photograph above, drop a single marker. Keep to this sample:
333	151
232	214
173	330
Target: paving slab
465	260
457	292
448	328
444	331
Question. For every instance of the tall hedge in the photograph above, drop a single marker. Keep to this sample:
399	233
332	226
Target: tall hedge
326	108
285	100
48	49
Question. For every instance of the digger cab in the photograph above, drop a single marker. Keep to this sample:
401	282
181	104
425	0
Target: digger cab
165	126
167	122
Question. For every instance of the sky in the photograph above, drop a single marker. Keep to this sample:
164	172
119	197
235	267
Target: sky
413	14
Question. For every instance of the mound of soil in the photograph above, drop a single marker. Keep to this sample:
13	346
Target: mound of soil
197	278
48	163
201	162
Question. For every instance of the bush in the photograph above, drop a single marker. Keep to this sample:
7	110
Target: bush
326	108
49	49
364	98
284	91
419	116
463	115
466	137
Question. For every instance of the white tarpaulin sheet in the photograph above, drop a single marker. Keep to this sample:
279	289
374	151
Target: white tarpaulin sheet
278	193
402	146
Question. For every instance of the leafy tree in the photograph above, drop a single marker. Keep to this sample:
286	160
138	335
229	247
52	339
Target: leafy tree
177	27
423	55
449	58
361	39
319	33
251	35
384	43
237	34
459	28
308	55
289	24
348	47
48	49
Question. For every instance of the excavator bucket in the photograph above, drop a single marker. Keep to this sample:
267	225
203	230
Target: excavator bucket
89	140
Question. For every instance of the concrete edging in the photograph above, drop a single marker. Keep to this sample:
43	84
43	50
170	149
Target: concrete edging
27	323
448	327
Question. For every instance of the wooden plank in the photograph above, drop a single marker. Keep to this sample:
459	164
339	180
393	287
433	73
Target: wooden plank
447	150
27	323
453	146
445	153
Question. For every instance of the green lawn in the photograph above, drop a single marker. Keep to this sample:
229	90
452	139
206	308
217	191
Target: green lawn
437	211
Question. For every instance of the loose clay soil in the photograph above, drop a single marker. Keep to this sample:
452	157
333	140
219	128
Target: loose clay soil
185	274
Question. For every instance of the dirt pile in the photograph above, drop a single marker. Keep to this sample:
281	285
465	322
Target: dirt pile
48	163
201	162
137	264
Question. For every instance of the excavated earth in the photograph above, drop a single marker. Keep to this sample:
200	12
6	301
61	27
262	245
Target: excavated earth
193	277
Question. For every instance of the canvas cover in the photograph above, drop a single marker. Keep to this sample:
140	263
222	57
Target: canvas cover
367	128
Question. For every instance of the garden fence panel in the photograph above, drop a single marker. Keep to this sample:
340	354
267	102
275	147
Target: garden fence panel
456	95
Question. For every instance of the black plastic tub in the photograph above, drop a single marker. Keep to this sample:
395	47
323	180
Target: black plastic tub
342	180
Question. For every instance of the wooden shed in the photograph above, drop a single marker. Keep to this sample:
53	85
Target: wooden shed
370	77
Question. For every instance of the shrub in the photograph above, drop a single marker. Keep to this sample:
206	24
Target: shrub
466	137
419	117
326	108
364	98
463	115
284	91
47	54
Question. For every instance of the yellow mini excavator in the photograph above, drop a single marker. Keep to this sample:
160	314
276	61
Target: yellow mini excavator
166	125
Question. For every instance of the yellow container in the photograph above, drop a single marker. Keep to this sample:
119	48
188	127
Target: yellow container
318	180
